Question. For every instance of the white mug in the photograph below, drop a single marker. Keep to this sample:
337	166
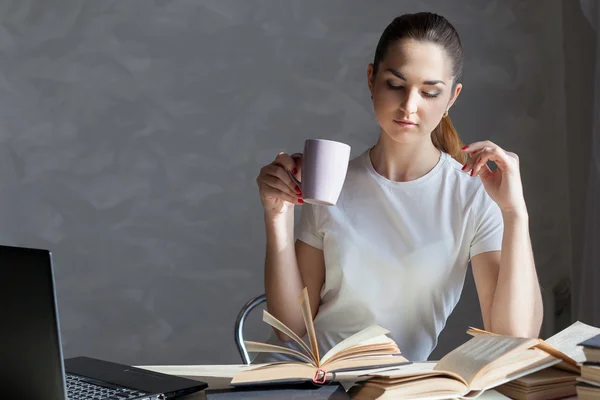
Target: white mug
324	168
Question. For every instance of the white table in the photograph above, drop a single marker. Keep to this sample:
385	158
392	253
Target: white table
219	377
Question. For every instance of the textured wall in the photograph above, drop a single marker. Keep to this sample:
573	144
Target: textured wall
131	133
580	53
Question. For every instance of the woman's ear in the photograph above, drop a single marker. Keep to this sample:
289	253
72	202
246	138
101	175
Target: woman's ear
370	77
454	95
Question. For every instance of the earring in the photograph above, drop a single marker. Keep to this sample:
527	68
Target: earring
445	113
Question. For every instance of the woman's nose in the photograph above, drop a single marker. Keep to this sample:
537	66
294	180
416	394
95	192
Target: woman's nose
409	103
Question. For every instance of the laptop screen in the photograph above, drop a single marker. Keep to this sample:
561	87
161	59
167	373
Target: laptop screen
31	363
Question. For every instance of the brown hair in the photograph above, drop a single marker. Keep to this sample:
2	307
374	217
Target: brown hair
433	28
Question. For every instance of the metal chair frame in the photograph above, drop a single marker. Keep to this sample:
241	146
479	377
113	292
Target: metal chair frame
239	325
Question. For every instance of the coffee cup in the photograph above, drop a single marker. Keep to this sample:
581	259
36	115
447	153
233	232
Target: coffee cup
324	167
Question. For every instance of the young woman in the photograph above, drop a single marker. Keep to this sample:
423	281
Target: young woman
414	210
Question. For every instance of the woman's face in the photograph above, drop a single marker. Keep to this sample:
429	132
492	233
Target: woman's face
412	89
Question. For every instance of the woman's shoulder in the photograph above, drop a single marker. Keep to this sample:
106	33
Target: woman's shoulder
358	161
357	165
467	187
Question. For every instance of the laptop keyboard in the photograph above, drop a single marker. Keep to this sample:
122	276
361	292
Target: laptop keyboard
79	389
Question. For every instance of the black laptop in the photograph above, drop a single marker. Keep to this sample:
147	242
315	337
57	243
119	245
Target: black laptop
31	361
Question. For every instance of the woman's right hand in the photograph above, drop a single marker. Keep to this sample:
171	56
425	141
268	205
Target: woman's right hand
278	192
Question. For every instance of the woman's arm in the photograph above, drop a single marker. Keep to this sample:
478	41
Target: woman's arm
288	269
507	283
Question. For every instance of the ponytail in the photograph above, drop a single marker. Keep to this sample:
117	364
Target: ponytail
446	139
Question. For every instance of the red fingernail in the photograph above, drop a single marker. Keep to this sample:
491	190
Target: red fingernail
298	189
463	168
465	147
295	171
472	172
300	201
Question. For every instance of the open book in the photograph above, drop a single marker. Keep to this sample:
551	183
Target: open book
564	345
560	380
486	361
364	351
483	362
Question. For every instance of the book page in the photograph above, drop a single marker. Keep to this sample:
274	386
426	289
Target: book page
412	369
498	381
275	323
418	370
516	365
476	331
389	370
372	349
430	387
310	327
365	335
386	383
568	339
257	347
568	364
363	363
544	377
471	357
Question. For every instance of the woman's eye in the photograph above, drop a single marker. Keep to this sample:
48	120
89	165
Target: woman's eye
393	86
399	87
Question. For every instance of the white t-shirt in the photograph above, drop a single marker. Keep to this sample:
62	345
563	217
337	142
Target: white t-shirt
396	253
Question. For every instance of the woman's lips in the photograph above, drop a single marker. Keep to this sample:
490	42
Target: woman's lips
404	123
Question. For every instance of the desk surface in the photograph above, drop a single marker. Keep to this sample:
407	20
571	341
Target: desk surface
219	376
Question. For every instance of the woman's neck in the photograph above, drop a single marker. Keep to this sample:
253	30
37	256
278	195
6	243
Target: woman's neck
403	162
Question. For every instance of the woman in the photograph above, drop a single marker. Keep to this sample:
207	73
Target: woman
414	210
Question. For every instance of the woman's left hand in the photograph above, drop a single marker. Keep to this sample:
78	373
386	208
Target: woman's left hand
502	185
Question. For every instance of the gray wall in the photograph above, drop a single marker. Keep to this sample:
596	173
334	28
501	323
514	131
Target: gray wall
580	49
131	133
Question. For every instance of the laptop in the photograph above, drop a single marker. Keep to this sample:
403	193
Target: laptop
31	360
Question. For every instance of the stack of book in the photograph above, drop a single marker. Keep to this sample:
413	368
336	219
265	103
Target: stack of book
519	368
560	381
588	386
550	383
